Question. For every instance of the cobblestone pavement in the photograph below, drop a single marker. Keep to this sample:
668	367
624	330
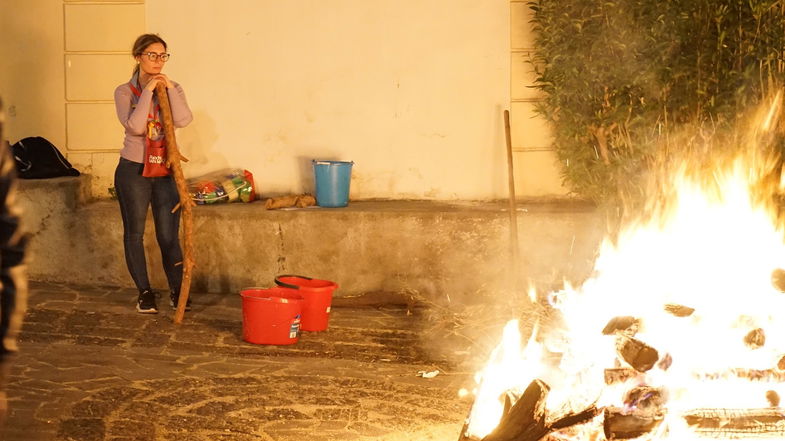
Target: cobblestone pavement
91	368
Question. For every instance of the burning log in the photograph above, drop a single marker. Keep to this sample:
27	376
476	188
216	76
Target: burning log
625	324
621	425
773	398
778	279
646	402
462	436
528	414
665	362
573	419
748	374
619	375
526	419
645	398
730	422
638	354
679	310
755	338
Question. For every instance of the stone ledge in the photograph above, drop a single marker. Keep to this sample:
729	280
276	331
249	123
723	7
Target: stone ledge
422	248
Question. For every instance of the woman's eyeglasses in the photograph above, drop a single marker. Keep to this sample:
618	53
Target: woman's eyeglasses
152	56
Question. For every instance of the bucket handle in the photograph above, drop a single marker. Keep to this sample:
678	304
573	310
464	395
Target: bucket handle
289	285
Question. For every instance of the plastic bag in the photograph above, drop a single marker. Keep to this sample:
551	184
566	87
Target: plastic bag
228	185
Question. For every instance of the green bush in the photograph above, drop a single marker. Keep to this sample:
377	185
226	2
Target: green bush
622	78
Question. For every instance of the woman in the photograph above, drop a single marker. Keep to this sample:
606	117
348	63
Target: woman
138	112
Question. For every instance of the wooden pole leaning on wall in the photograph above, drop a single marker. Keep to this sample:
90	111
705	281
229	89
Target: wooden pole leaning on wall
514	247
173	158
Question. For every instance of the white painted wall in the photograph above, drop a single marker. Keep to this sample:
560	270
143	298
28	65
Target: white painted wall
411	90
31	69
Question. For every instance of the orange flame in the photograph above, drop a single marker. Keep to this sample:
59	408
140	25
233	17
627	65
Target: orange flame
713	250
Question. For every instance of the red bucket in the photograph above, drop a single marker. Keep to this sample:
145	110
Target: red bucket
271	316
317	298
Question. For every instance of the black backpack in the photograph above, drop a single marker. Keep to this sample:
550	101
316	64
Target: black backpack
37	158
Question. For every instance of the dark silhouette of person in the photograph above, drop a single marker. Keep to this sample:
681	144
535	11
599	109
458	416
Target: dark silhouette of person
13	272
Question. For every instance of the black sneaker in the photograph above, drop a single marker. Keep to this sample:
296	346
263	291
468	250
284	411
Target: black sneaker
173	299
146	303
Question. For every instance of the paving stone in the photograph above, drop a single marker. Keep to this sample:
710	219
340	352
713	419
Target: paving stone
130	428
93	369
82	429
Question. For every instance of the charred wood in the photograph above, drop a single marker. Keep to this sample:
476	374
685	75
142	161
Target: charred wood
526	420
573	419
773	398
508	400
619	375
728	422
621	425
645	398
778	279
526	415
679	310
625	324
665	362
638	354
462	436
536	432
748	374
755	338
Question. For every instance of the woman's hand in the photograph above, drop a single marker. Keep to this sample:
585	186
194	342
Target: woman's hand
165	80
160	78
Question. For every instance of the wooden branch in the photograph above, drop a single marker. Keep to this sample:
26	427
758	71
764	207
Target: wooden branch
173	159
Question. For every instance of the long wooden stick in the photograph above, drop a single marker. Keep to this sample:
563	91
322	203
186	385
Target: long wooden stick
514	247
173	158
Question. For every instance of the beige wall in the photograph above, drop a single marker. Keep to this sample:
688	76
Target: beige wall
535	163
411	90
31	68
98	38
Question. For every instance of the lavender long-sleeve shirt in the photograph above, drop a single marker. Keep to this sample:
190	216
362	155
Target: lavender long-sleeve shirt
134	119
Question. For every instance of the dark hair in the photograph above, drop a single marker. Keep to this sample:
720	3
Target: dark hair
142	42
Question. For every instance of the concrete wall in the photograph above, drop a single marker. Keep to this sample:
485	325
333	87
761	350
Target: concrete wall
432	250
412	91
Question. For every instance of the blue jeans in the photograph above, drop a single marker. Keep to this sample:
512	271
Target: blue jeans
136	193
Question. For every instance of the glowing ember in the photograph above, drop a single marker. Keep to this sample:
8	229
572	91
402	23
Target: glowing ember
685	297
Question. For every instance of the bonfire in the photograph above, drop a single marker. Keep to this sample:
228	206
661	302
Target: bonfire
678	334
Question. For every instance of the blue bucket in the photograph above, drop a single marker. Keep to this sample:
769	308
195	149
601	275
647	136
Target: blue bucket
332	182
